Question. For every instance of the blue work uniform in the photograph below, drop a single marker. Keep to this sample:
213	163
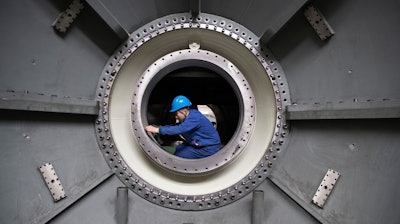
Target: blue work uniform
201	137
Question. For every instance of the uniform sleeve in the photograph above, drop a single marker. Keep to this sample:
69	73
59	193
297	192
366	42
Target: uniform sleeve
188	125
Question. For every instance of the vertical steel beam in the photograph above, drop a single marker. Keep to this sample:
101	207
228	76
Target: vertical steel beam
195	8
122	205
257	212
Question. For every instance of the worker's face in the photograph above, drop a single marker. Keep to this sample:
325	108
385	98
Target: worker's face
180	115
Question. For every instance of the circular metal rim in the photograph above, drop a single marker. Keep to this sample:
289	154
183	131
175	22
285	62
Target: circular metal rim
192	202
231	74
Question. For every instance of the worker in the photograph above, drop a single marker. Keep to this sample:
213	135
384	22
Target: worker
200	138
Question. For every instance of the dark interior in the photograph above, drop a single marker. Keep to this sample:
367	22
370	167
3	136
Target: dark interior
203	87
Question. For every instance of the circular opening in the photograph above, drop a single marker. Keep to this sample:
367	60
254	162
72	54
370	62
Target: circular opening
126	145
209	92
205	78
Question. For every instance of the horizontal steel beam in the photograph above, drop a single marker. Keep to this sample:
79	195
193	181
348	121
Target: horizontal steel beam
345	110
42	103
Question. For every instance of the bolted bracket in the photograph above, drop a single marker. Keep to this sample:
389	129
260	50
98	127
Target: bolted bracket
52	181
318	22
325	188
65	19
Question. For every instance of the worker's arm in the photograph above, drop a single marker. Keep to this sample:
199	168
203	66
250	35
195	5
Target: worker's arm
152	129
188	125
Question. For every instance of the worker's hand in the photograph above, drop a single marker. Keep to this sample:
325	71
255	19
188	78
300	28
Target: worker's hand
151	129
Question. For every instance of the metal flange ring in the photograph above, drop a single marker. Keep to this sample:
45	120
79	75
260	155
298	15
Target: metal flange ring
193	58
121	146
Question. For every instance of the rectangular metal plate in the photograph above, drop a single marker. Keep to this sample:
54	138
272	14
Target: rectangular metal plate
318	22
325	188
52	181
65	18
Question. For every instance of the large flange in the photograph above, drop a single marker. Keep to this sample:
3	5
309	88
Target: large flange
121	146
231	74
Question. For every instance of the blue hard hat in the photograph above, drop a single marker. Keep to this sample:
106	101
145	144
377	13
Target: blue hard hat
180	102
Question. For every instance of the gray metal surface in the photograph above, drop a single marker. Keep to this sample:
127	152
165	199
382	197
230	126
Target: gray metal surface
73	151
111	21
366	154
132	14
36	59
264	18
359	62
